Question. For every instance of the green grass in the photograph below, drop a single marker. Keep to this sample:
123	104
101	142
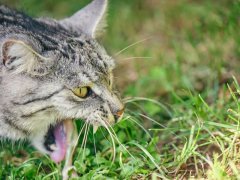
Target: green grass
187	124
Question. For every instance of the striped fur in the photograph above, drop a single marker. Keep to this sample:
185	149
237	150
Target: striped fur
41	61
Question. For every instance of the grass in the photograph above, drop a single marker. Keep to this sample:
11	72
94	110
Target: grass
187	124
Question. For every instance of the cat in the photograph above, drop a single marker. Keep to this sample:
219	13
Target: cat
54	70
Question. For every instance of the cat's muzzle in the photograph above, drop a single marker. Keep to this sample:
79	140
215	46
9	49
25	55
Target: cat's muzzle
60	136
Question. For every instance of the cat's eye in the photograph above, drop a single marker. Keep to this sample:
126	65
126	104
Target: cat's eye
82	92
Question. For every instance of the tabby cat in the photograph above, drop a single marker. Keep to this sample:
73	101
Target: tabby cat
53	70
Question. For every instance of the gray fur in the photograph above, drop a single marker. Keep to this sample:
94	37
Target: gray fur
91	24
41	61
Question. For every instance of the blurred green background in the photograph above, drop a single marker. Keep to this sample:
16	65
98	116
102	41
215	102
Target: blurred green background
182	53
185	44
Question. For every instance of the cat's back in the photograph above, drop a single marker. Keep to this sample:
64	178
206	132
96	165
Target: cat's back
18	22
10	17
6	12
12	21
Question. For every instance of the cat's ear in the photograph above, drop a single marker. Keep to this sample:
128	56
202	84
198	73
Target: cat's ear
19	56
91	19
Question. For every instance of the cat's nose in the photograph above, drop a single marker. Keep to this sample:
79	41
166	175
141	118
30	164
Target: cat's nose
118	115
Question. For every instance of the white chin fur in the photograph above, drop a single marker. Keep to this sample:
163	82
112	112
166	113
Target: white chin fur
37	141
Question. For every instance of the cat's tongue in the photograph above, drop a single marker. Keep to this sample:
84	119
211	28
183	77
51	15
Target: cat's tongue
60	135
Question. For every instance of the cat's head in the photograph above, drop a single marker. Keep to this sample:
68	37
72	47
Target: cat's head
56	72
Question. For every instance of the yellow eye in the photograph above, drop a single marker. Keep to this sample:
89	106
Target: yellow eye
82	92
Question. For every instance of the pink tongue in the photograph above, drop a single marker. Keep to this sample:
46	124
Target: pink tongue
61	143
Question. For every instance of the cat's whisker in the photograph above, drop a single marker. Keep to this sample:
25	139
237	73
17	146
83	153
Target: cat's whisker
95	148
136	114
144	129
151	119
85	142
84	136
147	117
131	99
80	134
115	136
83	128
81	152
104	135
137	57
134	99
111	136
131	45
138	106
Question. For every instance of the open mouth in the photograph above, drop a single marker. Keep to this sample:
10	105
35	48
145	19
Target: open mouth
58	139
61	139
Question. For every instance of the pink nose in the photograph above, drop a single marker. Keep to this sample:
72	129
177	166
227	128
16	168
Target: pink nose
118	114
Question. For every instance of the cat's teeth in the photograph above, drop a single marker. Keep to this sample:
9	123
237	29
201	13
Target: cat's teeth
95	128
53	147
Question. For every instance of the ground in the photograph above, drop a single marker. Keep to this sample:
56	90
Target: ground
178	71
